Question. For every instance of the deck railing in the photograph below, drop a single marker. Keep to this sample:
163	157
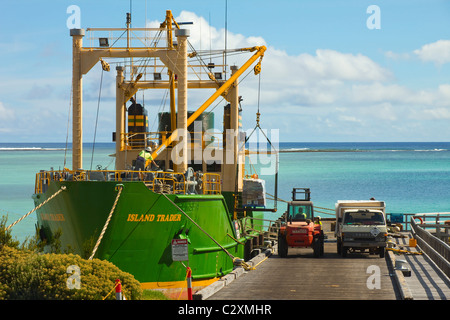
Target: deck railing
211	183
405	218
436	248
157	181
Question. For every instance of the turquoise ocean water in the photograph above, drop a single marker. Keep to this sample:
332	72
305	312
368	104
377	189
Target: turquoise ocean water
410	177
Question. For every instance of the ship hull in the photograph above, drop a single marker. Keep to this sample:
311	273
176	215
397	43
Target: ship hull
143	224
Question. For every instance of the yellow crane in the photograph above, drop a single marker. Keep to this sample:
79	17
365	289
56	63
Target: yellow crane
221	91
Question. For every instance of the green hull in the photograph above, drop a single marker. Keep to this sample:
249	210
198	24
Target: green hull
143	224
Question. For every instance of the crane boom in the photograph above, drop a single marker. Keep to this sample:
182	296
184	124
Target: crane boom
258	54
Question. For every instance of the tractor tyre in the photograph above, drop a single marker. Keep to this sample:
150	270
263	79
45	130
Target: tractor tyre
322	250
316	248
322	244
318	245
282	246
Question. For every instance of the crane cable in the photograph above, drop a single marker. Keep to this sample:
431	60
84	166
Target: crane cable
257	71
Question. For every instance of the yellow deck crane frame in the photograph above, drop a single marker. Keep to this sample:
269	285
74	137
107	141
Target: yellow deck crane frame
221	91
84	58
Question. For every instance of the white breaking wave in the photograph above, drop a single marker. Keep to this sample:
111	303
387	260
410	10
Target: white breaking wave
29	149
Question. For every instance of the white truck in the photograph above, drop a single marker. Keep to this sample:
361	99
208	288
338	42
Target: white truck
361	225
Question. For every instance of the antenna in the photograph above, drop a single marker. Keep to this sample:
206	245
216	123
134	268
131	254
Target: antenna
226	32
131	6
210	40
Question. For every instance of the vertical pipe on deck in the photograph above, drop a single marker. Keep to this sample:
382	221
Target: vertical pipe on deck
231	171
120	120
77	87
182	86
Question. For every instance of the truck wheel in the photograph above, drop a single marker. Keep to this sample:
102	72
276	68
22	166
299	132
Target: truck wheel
344	251
382	251
282	247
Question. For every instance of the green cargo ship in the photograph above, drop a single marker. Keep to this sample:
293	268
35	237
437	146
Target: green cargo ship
130	217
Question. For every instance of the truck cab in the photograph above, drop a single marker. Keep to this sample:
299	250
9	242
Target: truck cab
360	226
299	228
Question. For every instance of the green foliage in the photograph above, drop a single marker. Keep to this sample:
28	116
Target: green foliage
5	235
153	295
26	275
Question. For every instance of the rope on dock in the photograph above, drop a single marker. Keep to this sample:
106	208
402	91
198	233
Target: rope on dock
36	208
235	259
404	251
117	284
323	208
276	198
120	188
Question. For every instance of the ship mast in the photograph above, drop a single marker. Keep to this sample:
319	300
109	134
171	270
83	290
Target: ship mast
174	58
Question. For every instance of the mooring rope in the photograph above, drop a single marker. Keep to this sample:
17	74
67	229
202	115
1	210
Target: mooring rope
36	208
315	207
245	265
273	198
323	208
120	187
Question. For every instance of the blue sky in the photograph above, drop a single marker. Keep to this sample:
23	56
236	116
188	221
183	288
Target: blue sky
325	76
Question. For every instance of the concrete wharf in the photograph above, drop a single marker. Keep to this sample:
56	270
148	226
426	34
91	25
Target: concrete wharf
360	276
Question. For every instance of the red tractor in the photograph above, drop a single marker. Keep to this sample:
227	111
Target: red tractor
299	229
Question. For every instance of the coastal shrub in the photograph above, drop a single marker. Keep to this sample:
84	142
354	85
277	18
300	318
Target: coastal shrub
25	275
5	235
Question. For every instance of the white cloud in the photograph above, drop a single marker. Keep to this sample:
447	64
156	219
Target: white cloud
318	79
329	90
6	114
378	92
443	94
205	37
321	92
437	114
353	119
326	66
437	52
397	56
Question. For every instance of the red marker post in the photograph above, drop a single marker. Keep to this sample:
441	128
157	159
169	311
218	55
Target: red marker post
118	290
180	252
189	283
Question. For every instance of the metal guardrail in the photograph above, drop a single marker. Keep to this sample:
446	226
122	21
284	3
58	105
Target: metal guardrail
405	218
267	226
432	246
157	181
401	218
211	183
